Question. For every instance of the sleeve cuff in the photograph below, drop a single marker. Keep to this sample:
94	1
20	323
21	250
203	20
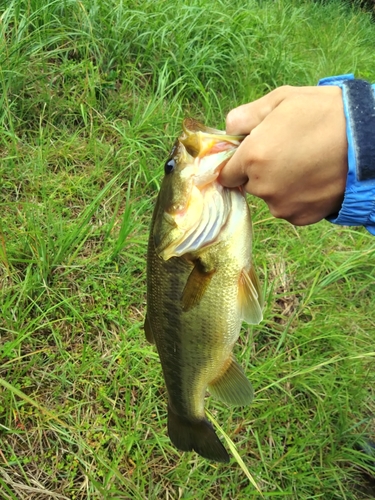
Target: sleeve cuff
358	208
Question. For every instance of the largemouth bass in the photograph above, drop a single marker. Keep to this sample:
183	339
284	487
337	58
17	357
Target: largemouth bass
200	285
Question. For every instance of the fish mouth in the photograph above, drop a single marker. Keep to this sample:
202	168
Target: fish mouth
209	150
210	167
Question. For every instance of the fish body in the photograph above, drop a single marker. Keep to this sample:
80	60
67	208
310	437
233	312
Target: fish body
200	285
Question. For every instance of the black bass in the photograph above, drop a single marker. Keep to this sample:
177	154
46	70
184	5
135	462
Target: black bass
200	285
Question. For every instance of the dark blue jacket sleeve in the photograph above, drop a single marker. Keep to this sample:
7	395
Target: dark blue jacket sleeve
358	208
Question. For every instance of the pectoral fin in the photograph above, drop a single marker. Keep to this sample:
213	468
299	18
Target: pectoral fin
232	386
195	287
250	297
148	331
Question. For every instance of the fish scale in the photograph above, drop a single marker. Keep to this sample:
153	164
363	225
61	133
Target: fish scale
196	300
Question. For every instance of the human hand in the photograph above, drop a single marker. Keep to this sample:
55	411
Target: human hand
295	156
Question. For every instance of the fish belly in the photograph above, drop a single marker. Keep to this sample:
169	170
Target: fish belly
195	345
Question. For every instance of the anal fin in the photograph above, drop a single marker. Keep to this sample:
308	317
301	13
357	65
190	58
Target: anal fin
250	297
232	386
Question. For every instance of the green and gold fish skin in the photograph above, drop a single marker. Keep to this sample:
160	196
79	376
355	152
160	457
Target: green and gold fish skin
200	286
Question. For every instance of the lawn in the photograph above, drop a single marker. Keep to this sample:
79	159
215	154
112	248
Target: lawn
92	96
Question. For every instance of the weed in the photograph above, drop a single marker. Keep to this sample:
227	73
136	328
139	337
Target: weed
92	95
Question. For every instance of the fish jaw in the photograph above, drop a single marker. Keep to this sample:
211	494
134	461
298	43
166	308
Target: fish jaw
172	229
195	133
210	166
197	215
216	209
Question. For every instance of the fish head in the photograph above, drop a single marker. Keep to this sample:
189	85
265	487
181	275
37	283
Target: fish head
180	203
190	178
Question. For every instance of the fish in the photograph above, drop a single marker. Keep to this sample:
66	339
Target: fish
201	285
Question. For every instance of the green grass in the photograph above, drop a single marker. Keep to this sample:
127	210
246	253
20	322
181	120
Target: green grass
92	95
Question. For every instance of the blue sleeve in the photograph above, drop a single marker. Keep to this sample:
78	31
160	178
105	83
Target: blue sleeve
358	208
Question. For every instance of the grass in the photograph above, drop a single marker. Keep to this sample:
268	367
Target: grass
92	96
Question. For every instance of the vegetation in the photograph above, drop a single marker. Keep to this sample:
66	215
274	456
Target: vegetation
92	96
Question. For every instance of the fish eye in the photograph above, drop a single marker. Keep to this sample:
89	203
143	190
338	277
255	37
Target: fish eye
169	166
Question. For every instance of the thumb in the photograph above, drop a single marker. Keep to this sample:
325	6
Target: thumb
245	118
241	121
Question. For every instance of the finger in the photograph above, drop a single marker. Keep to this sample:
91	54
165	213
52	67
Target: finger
233	173
245	118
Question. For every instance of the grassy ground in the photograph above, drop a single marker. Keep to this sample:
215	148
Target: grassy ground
92	95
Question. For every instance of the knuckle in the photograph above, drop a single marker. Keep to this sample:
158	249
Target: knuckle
276	212
280	212
284	89
259	189
259	152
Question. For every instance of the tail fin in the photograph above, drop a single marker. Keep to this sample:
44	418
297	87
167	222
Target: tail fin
198	435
